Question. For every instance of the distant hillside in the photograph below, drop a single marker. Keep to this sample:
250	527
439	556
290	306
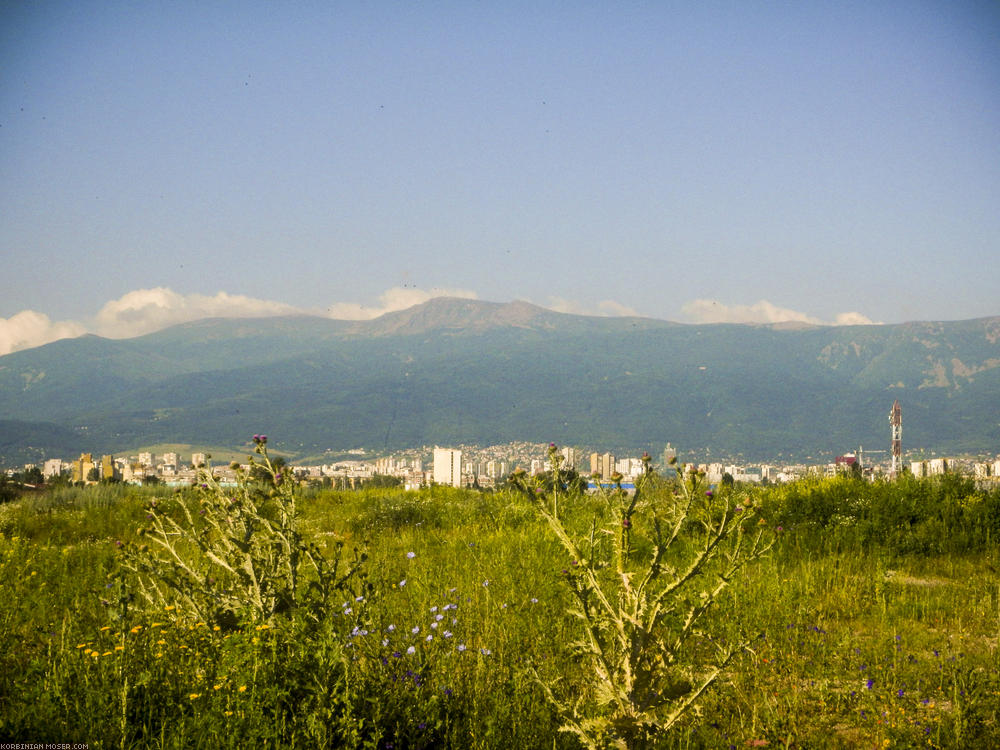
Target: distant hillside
456	370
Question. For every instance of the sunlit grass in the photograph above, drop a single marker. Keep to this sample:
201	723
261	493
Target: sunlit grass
856	643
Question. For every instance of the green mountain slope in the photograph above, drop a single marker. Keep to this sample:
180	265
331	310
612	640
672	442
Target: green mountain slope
453	371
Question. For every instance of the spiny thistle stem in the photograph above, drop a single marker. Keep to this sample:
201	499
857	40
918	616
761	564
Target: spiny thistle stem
636	636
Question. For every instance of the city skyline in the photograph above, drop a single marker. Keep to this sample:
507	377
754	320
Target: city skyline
165	163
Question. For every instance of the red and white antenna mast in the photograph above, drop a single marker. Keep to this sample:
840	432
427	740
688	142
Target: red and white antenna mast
896	423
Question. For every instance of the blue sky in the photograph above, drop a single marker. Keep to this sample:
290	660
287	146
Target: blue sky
830	162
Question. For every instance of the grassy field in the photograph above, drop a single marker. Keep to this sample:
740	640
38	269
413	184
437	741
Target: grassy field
872	622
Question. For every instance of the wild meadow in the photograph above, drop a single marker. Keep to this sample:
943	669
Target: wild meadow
825	613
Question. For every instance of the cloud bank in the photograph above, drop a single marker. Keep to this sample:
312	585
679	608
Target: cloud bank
147	310
713	311
29	328
605	308
391	300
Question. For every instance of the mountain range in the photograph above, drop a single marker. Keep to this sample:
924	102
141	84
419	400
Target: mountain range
454	371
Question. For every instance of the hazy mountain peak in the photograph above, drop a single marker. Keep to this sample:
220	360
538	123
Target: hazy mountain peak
458	314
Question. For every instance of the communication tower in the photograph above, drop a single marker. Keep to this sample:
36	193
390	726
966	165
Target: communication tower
896	424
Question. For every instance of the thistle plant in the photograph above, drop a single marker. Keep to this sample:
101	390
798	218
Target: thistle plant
646	657
239	559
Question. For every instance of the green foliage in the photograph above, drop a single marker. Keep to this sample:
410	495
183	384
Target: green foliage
648	659
8	489
828	610
945	514
241	560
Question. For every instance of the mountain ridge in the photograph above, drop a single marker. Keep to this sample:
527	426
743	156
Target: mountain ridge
455	370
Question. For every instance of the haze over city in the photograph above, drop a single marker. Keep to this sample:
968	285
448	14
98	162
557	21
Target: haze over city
824	163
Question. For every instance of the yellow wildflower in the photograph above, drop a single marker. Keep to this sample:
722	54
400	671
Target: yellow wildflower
119	648
105	628
242	688
136	629
194	695
106	653
170	608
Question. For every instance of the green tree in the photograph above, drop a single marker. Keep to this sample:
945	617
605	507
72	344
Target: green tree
8	490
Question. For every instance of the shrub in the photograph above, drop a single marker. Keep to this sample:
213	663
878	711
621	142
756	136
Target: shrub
639	622
241	559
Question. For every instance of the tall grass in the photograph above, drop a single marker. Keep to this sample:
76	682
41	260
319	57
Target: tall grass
895	584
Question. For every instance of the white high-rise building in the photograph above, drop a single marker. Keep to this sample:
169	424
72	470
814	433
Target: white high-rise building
448	467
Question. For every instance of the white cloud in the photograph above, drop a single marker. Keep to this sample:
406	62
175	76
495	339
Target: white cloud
713	311
608	308
144	311
28	328
391	300
853	319
147	310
